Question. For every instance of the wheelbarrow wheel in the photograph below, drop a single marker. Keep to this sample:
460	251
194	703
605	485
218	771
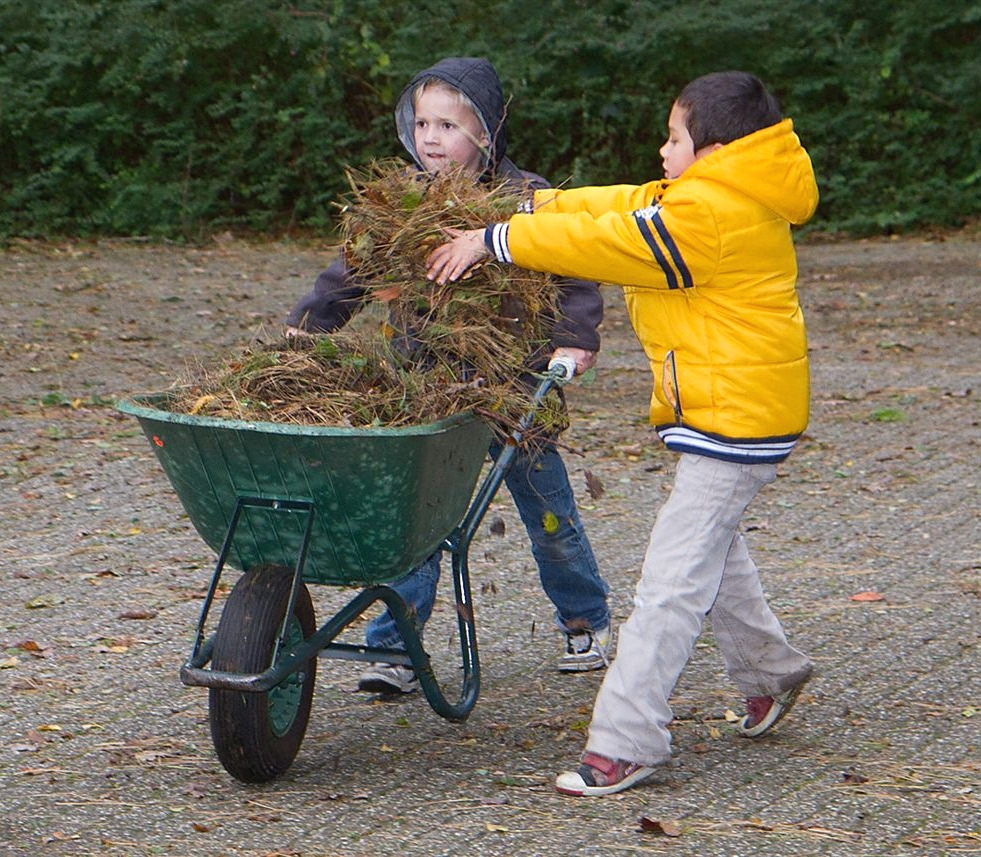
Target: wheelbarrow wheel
257	735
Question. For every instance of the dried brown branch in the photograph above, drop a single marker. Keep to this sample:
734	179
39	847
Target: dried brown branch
445	349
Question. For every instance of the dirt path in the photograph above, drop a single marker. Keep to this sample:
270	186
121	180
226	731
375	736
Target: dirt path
102	751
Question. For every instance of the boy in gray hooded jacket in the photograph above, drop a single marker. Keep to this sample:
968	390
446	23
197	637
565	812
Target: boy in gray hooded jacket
453	113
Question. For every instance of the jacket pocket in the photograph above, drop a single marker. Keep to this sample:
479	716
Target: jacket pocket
669	385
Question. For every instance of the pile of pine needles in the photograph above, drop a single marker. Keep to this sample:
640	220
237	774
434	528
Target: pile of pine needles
443	350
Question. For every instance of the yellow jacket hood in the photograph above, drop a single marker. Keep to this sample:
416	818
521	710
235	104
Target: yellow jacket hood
770	167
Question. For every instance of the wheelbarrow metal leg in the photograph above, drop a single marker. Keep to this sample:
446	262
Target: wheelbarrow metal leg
192	672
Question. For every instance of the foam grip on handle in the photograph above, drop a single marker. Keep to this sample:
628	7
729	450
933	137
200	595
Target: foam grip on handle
564	368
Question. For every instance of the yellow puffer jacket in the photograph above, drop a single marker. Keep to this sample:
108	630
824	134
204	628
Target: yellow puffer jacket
709	272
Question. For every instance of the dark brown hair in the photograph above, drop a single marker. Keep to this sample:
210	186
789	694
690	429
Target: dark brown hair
726	105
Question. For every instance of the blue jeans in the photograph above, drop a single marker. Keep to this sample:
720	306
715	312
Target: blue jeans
539	484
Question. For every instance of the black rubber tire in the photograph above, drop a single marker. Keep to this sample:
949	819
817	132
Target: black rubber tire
257	735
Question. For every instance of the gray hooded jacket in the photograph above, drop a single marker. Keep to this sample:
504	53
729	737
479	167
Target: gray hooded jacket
336	295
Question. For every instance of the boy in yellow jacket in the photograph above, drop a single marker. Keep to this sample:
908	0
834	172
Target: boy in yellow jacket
707	263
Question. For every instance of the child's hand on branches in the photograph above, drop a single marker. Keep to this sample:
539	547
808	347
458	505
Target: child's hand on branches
451	261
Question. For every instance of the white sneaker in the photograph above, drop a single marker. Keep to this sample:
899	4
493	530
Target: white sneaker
586	650
388	678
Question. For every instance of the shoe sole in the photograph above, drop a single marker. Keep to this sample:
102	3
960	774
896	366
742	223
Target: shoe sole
782	703
377	685
571	783
581	666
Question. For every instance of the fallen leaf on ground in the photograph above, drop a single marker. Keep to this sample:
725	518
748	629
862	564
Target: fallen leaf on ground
138	614
868	596
59	836
853	778
660	826
43	601
594	485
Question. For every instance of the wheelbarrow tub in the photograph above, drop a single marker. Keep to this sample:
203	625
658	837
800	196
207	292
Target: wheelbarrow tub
383	499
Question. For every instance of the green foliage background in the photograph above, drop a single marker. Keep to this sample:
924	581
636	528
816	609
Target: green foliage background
175	118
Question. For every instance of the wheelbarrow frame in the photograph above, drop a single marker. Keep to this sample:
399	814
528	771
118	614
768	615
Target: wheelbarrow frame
196	671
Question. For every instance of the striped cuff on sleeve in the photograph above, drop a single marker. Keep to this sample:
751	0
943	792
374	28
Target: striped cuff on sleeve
496	240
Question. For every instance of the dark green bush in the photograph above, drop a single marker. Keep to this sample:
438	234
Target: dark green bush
162	118
175	118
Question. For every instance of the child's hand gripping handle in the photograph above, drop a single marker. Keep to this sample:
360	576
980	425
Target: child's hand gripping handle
562	369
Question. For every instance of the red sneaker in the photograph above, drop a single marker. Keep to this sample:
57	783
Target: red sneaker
599	776
764	712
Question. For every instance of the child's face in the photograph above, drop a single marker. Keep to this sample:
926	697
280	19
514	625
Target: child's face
447	132
678	151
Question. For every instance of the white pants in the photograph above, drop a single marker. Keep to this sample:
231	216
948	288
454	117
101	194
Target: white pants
697	564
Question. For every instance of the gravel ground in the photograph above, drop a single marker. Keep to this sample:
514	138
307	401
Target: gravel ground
104	752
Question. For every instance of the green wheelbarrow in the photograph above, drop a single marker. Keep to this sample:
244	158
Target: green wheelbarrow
296	505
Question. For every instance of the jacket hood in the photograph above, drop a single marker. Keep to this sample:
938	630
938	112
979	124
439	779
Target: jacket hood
769	166
476	78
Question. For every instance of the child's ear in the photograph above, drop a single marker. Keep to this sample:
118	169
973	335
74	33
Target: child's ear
707	150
